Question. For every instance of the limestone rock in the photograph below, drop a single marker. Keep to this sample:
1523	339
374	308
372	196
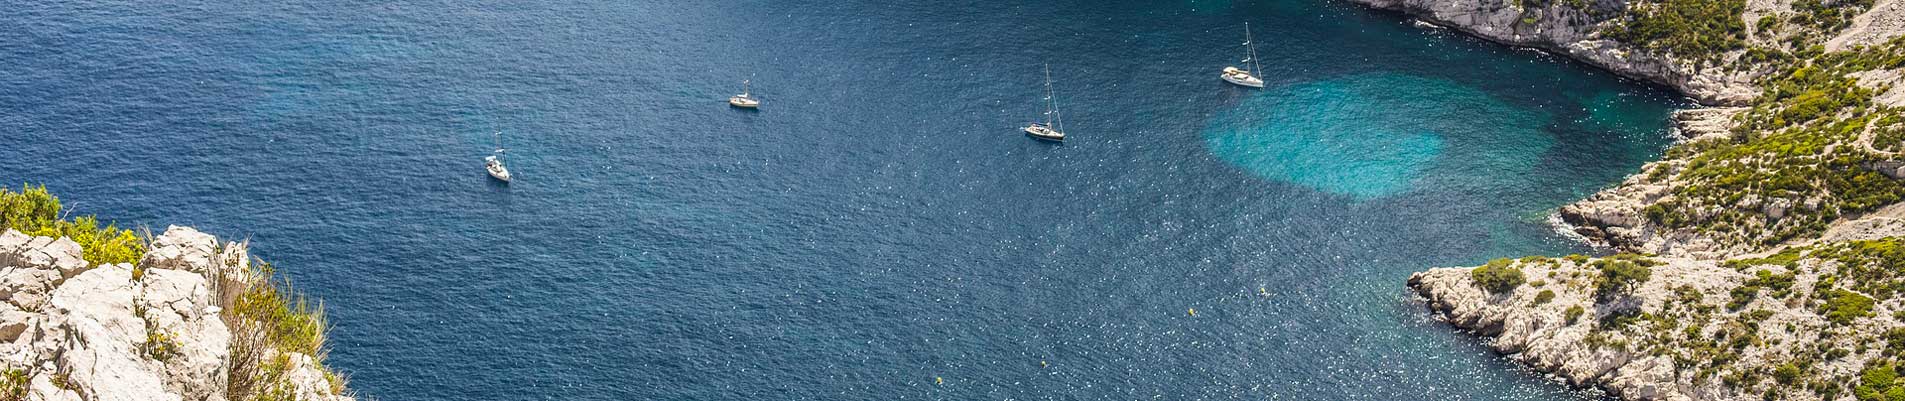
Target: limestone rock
1637	360
1574	33
182	248
27	288
1616	218
1886	20
61	255
107	333
175	302
1705	123
96	309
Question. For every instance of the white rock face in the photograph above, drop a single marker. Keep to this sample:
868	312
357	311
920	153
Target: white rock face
1636	361
1615	217
1574	33
89	333
1541	336
1705	123
1886	20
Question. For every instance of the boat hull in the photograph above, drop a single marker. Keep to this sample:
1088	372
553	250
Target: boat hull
495	169
1242	79
744	103
1043	133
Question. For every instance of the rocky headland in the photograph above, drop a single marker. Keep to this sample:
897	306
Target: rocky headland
101	313
1761	258
161	329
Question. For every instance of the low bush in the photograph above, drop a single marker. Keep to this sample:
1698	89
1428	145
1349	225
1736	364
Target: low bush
13	385
1842	307
34	211
1545	296
1698	30
1498	276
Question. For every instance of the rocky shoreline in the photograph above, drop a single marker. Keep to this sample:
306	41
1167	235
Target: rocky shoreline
1544	336
1761	250
161	329
1615	218
1571	32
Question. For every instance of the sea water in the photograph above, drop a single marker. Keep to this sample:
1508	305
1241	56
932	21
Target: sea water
879	229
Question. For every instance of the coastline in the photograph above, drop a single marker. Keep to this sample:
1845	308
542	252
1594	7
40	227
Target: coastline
1747	270
1561	35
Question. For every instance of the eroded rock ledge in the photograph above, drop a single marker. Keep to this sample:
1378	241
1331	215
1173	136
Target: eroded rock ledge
158	330
1789	326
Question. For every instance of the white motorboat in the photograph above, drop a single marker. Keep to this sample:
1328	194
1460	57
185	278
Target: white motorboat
1053	128
1245	77
744	100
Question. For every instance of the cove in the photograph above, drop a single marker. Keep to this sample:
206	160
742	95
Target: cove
1372	135
879	223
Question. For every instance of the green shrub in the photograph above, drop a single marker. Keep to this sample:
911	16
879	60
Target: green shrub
36	212
159	345
292	324
1877	382
1621	273
263	313
1544	297
1691	29
1786	374
1842	307
1498	276
13	385
1573	313
268	321
1686	294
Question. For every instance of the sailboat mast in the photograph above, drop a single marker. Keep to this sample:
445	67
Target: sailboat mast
1058	120
1251	44
1051	102
746	84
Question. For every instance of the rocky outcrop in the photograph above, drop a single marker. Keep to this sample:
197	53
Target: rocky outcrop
1575	33
1616	217
1885	21
1822	317
1695	330
155	331
1705	123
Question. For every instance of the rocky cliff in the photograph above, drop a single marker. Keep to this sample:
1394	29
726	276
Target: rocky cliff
1575	31
1773	228
1821	322
170	327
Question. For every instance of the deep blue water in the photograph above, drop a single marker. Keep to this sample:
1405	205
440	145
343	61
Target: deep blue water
880	223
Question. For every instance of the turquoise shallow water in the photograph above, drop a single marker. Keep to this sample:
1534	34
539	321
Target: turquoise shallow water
1374	135
879	223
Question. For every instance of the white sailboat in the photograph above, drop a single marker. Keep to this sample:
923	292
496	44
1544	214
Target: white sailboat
494	163
744	100
1241	76
1053	129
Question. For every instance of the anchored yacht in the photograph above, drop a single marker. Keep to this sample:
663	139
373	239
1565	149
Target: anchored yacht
1052	129
1241	76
